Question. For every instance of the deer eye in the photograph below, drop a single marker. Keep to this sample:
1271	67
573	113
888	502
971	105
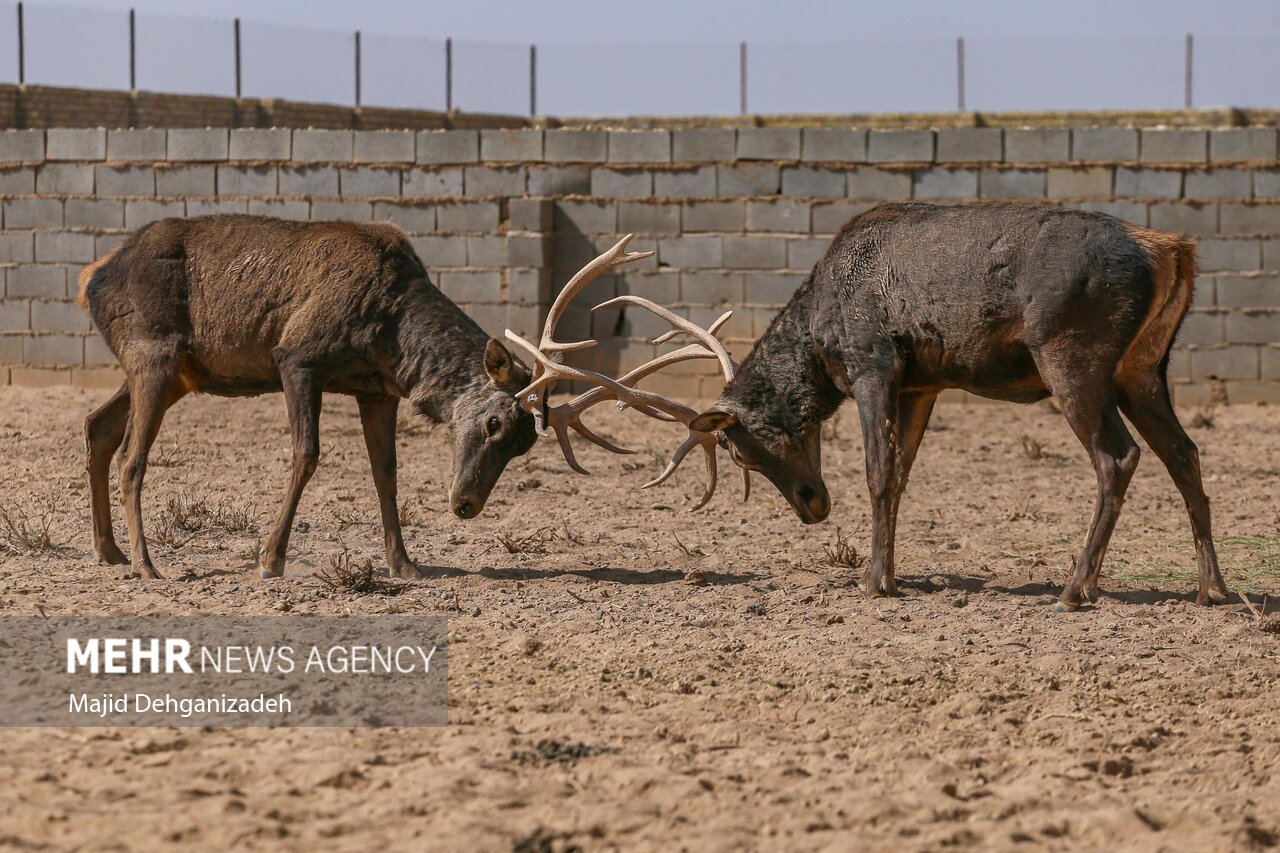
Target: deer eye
494	426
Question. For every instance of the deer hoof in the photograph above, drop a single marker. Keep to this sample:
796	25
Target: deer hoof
1210	597
111	555
147	573
268	574
1065	607
879	589
407	571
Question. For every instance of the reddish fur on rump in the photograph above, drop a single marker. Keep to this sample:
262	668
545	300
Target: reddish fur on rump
86	276
1173	273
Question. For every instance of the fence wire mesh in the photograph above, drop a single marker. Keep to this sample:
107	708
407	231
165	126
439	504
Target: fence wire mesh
91	48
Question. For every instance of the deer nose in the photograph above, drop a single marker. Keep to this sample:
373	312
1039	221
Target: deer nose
463	509
815	502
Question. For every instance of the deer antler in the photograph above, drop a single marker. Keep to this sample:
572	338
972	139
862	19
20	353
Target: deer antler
547	355
568	416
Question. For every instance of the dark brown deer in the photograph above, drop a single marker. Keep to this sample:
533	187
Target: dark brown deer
1010	302
243	305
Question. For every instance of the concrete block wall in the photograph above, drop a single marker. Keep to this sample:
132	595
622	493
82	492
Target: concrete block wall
737	217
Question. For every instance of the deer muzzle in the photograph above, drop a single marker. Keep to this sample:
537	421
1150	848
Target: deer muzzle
811	502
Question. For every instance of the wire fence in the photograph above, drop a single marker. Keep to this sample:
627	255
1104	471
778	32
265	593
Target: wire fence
90	48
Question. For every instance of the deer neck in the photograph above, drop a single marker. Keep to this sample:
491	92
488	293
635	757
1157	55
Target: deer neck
440	357
784	382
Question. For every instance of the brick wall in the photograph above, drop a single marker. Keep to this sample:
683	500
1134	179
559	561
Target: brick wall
737	217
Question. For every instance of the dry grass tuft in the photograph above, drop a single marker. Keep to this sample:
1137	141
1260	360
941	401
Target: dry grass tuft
347	518
408	515
695	551
1031	447
1026	513
531	543
841	553
537	541
184	517
164	457
360	578
25	534
570	535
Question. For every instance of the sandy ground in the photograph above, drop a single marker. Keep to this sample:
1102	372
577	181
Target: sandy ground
637	677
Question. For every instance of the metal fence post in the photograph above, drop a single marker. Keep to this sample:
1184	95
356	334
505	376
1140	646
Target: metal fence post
533	79
237	32
133	50
1190	56
357	68
742	77
22	49
960	71
448	74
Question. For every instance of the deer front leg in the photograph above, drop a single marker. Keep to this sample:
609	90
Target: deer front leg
378	417
877	410
302	391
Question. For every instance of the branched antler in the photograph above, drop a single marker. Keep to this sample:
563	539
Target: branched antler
548	369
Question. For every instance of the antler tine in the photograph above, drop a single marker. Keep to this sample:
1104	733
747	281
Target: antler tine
707	441
613	257
680	325
568	415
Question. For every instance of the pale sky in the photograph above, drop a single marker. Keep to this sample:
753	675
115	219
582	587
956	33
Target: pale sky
671	56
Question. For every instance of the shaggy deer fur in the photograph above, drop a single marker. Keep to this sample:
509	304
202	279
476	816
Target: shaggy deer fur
1005	301
242	305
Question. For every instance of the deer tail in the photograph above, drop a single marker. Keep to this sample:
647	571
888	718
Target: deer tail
86	277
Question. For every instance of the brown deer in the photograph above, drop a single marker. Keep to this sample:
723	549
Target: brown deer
1010	302
242	305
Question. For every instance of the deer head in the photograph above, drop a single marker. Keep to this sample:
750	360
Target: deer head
549	369
488	429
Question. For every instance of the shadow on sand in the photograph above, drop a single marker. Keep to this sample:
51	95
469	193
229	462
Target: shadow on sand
607	575
973	584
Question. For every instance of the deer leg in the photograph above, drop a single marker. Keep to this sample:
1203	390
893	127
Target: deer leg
378	417
913	417
302	391
103	432
1145	399
877	411
151	392
1091	412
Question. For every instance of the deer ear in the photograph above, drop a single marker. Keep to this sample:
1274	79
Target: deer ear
713	420
499	364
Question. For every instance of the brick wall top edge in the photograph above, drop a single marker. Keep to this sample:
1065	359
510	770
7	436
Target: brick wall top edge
1149	148
49	106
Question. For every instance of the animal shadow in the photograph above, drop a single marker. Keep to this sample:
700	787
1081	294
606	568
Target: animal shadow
615	575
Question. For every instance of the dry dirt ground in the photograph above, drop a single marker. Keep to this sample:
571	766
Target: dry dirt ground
626	675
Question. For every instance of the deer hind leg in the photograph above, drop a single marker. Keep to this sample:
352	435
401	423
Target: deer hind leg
1088	403
877	399
914	410
1144	397
103	432
152	390
302	391
378	417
